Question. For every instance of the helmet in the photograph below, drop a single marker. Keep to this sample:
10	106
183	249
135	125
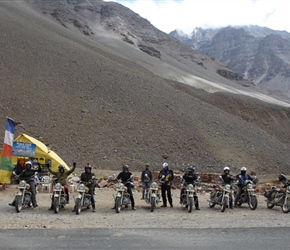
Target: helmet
226	168
243	170
125	168
165	165
191	169
28	163
88	166
61	167
282	177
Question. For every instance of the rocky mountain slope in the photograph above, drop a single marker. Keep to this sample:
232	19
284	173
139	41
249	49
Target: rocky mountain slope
258	54
100	84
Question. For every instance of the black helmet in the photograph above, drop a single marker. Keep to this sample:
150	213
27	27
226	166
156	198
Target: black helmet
191	169
88	166
61	167
125	168
282	177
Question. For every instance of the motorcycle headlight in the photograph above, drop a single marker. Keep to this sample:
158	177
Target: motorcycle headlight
81	188
190	187
250	186
22	184
227	187
58	186
154	185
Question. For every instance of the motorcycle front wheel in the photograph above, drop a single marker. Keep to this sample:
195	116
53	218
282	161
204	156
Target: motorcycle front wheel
18	204
286	206
78	206
190	204
152	204
118	204
56	205
224	204
253	202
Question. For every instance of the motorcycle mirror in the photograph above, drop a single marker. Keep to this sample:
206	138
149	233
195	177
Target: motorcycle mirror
94	177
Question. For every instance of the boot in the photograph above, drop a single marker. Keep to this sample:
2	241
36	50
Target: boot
164	205
196	205
51	207
93	208
171	205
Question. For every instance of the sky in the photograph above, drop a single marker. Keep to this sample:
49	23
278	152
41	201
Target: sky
168	15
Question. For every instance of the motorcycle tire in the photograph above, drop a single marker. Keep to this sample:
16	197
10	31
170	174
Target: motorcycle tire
152	204
224	205
286	207
56	205
18	204
270	205
211	204
253	202
118	204
190	204
78	206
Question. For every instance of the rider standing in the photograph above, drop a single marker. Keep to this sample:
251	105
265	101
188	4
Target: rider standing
190	178
241	178
125	177
228	179
87	178
165	177
146	178
61	177
28	176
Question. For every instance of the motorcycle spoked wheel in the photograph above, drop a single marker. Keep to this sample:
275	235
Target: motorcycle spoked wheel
190	204
18	204
118	204
270	205
78	206
152	204
224	204
253	202
56	205
286	207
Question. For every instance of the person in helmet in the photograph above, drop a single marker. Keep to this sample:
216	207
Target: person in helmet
61	177
125	176
284	181
28	176
190	178
146	178
228	179
241	178
88	178
166	177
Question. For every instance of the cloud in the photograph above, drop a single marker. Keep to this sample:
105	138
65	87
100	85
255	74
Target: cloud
168	15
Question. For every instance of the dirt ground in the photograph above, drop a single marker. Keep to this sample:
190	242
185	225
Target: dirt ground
106	217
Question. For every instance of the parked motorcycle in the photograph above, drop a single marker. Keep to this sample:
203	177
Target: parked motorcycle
187	198
23	197
83	198
59	197
279	197
154	196
122	195
221	195
248	194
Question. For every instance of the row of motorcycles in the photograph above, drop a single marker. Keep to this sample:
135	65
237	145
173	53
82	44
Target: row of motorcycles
23	196
221	195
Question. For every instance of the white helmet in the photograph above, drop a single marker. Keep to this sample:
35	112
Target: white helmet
226	168
243	169
165	165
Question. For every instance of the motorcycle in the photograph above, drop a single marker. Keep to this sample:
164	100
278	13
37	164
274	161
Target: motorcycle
59	197
83	198
122	195
248	193
279	197
187	198
23	197
220	195
153	196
